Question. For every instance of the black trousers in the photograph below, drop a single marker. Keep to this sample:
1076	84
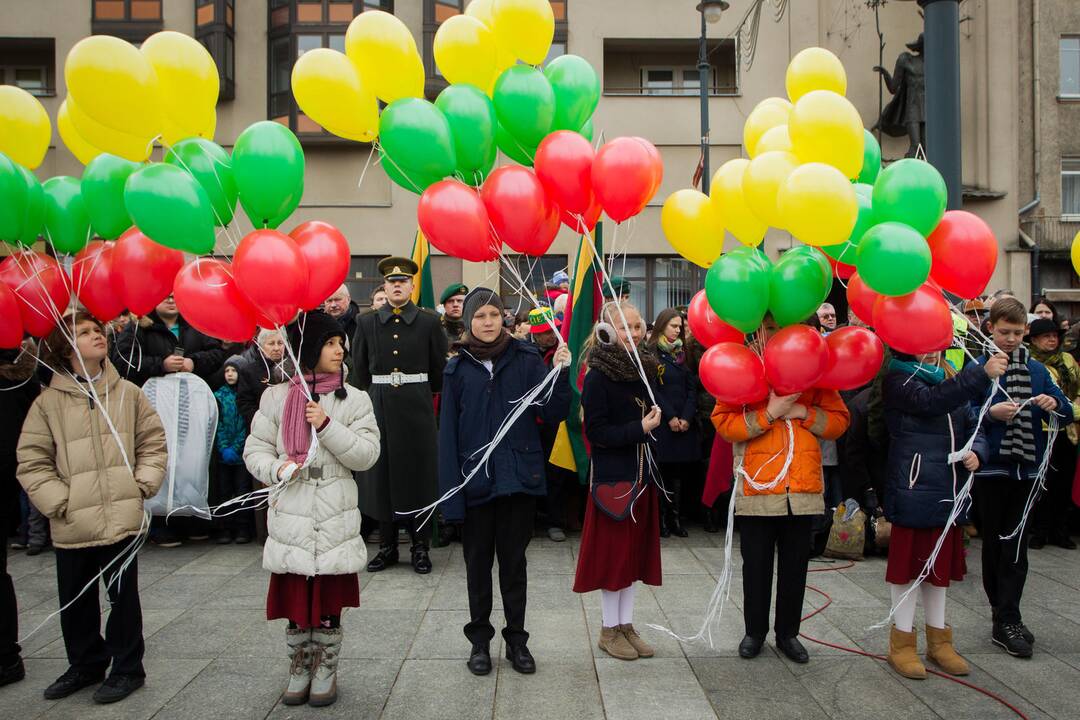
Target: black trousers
675	476
501	527
81	622
9	609
1051	514
760	537
232	481
388	531
559	480
1001	506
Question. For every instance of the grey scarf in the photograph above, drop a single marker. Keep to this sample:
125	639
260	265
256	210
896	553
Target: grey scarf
1019	441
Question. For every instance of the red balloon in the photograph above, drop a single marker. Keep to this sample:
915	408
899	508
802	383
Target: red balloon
707	328
839	269
855	356
916	323
453	217
11	327
94	282
42	288
795	359
272	273
144	271
208	298
624	177
519	210
861	299
732	373
965	253
590	217
328	256
657	162
563	164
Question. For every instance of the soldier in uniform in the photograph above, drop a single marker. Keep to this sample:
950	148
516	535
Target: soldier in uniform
399	353
453	302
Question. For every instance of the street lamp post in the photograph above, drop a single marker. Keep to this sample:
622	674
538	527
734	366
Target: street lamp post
710	10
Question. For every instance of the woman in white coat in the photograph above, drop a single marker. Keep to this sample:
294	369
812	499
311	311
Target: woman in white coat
310	447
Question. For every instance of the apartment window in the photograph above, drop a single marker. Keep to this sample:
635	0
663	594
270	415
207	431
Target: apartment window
668	67
363	278
215	21
670	81
658	282
133	20
535	272
1070	67
1070	186
29	63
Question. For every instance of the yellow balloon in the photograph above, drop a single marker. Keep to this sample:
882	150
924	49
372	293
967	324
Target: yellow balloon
384	52
726	194
115	85
691	225
187	84
1076	253
83	151
25	129
826	128
814	69
818	205
768	113
524	27
776	138
465	51
761	184
329	90
481	10
106	139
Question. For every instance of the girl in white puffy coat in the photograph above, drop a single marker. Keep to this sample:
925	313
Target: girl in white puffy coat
310	447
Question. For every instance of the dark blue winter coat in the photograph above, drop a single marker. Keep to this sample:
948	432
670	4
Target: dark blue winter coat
474	403
1041	384
926	423
612	412
676	392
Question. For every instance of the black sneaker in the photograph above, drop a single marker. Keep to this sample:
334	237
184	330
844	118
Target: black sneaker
1010	637
12	673
72	682
117	687
1028	635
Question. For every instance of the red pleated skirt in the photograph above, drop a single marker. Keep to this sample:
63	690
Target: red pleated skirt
616	553
305	601
909	549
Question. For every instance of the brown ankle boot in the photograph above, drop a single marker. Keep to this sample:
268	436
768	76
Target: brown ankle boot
644	649
941	651
615	644
902	655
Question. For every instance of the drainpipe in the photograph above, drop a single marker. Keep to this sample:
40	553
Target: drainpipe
1036	144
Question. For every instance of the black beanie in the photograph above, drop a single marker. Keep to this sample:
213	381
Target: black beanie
309	333
477	299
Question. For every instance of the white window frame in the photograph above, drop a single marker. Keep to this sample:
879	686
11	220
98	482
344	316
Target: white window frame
1076	52
1065	215
8	75
677	86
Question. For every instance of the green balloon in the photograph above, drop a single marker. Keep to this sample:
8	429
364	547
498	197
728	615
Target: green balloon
211	167
576	88
800	281
871	158
894	259
737	287
268	168
845	251
67	224
411	181
513	149
864	189
103	190
171	208
525	103
416	135
912	192
472	125
12	200
586	130
34	216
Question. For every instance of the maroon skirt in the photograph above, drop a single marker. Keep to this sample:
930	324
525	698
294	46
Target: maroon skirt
305	601
909	549
616	553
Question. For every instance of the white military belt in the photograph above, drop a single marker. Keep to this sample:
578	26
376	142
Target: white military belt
399	378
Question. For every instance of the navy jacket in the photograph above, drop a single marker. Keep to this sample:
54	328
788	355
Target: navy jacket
676	392
1041	384
474	403
926	423
612	418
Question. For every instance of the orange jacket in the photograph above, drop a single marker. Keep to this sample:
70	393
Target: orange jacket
761	449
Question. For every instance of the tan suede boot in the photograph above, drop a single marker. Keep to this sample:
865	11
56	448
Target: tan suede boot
902	655
643	648
941	651
615	644
300	669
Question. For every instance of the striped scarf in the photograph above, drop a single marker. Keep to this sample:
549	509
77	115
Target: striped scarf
1019	441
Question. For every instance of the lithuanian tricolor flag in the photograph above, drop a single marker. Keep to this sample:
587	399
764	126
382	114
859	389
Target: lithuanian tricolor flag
580	315
423	293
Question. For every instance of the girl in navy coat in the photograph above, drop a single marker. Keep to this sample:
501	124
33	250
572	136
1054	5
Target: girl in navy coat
481	387
928	408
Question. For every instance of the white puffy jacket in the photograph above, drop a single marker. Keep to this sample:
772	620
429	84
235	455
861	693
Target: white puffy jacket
314	524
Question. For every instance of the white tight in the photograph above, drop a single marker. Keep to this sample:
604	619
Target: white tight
933	600
617	607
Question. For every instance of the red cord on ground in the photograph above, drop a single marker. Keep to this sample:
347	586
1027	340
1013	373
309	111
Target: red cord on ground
856	651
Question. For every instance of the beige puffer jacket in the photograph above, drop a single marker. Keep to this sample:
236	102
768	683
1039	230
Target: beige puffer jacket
314	524
73	469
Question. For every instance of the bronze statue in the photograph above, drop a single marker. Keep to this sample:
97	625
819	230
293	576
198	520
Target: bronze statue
905	114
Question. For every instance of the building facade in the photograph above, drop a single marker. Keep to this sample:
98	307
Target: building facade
646	55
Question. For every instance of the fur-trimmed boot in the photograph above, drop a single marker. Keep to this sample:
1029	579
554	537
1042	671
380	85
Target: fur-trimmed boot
941	651
299	641
902	655
326	646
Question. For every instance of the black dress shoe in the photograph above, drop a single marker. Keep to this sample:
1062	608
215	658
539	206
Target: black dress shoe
386	557
12	673
480	660
117	687
421	563
793	650
1062	541
243	539
710	524
677	529
520	657
750	647
1037	542
71	682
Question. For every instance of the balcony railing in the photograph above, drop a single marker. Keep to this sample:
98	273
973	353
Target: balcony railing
1052	234
643	91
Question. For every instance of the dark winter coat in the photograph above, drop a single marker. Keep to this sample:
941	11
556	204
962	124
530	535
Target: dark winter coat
862	461
348	320
473	405
612	417
254	378
232	431
19	387
926	423
142	347
676	392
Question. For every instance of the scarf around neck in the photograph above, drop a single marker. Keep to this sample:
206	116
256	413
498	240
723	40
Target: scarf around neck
932	374
486	350
674	349
295	430
618	364
1066	374
1019	440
